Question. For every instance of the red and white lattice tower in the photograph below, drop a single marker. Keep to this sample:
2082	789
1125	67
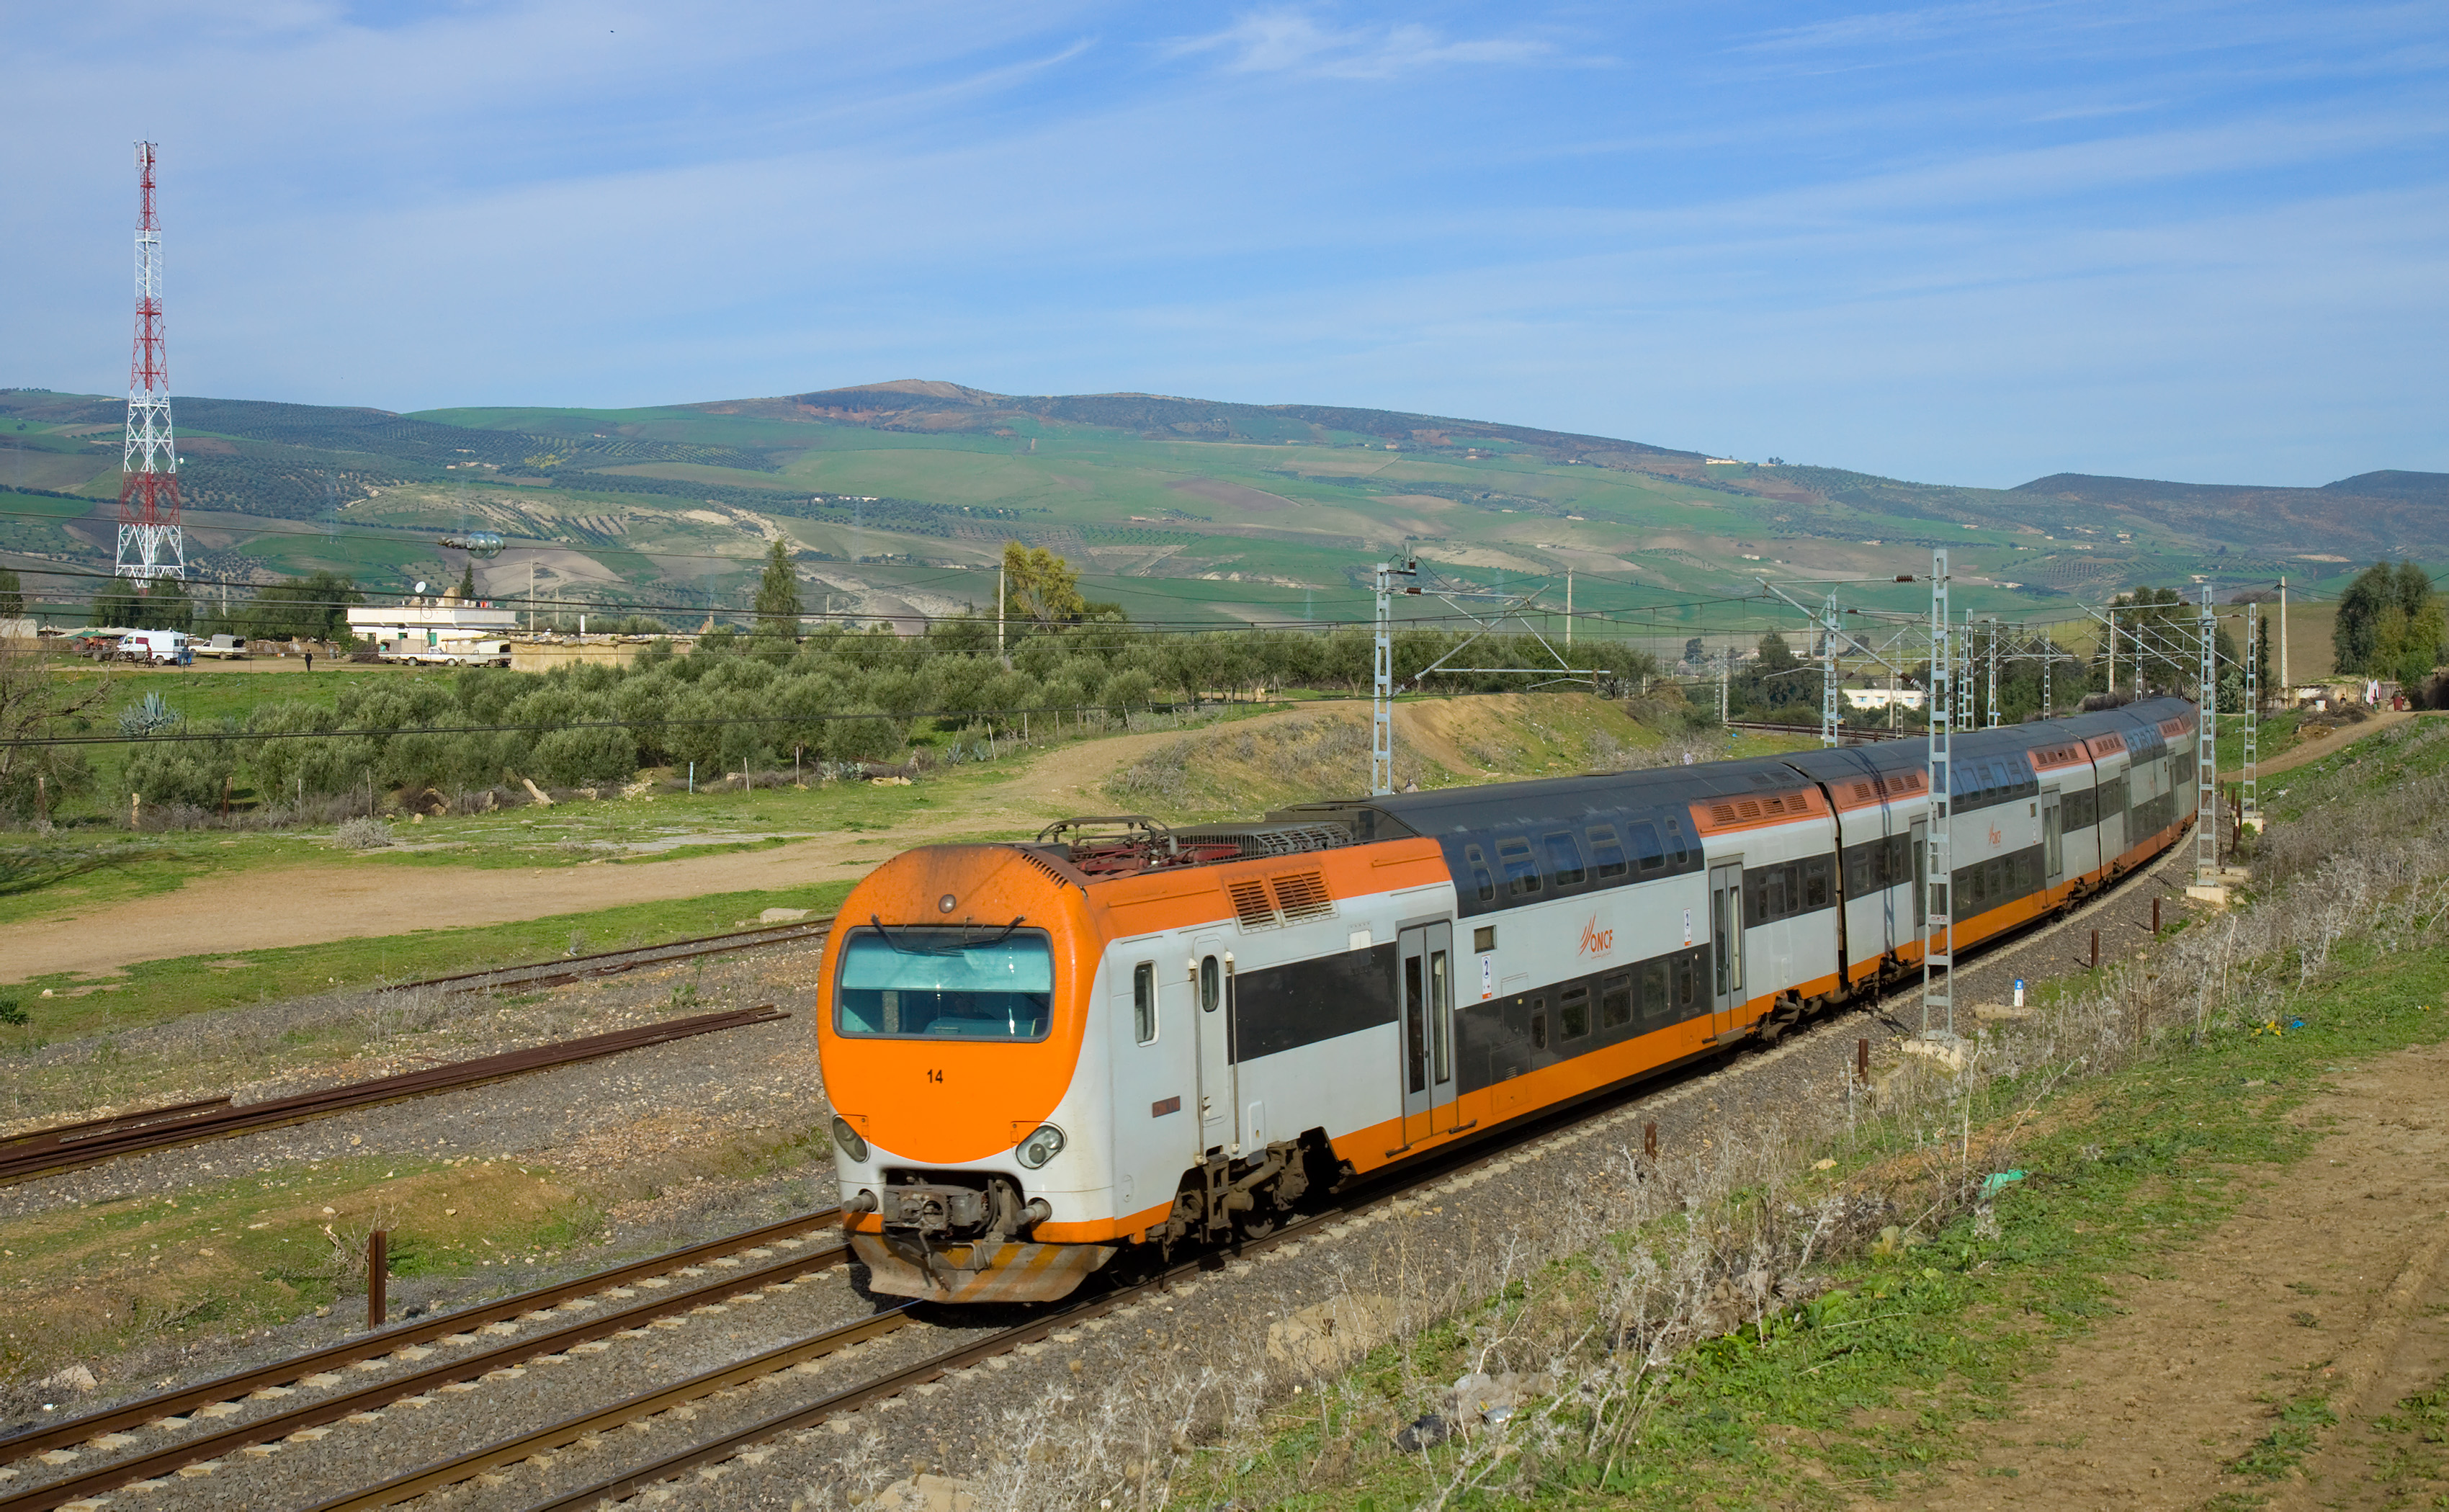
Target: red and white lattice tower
150	543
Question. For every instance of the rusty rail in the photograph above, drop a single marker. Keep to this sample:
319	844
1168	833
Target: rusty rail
277	1425
49	1151
613	962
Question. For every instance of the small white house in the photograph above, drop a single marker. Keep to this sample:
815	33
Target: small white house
1881	697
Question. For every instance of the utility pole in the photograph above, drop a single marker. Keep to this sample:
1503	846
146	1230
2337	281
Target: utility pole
1829	719
1569	606
2205	758
2048	659
2112	649
1726	671
2249	796
1381	698
151	544
2287	689
999	593
1939	934
1990	714
531	593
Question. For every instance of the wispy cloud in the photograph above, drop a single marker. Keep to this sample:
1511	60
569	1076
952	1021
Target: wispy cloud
1293	42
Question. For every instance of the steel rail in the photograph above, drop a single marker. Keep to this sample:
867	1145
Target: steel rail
47	1152
379	1395
113	1124
644	1405
613	962
282	1372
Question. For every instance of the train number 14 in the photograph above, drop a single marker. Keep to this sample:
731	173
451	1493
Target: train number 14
935	1075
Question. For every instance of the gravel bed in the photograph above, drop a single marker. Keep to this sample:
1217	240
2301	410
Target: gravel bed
558	1116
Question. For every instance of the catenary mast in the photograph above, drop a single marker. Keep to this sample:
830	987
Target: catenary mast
150	542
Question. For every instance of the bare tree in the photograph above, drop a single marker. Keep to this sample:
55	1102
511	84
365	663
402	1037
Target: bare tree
41	692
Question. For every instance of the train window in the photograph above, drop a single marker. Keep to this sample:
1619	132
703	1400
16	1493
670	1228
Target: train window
927	983
1211	985
1482	880
1565	860
1684	985
1440	1019
1144	1001
1675	843
1538	1023
1416	1061
1606	852
1615	1000
1574	1013
1645	849
1815	883
1521	870
1484	939
1656	1008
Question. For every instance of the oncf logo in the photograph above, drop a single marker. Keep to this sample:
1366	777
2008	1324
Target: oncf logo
1596	942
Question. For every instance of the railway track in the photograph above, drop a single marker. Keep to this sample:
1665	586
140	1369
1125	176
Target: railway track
568	969
47	1151
592	1428
747	1260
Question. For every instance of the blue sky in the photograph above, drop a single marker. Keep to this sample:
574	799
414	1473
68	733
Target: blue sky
1969	243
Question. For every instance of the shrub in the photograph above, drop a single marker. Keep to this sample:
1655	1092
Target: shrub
364	834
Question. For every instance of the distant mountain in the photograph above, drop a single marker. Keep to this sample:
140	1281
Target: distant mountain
2370	514
923	404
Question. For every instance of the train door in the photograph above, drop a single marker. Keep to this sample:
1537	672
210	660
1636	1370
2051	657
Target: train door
1922	883
2052	842
1726	945
1426	988
1211	991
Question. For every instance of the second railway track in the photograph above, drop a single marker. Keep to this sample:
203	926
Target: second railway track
567	969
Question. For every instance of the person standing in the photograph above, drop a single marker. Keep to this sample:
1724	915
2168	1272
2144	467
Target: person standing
310	661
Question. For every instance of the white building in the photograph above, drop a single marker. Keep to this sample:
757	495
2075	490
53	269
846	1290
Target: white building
441	628
1881	697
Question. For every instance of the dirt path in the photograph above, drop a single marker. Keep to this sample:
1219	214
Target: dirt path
2329	744
2329	1282
357	896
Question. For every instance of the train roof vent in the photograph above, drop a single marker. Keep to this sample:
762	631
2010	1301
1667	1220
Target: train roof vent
1862	793
1722	813
1304	894
1750	809
1250	904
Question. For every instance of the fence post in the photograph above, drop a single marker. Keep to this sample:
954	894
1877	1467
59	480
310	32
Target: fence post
2095	950
1862	1062
377	1278
1650	1141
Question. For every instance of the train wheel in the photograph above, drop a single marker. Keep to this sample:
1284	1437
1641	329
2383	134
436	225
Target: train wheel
1256	1224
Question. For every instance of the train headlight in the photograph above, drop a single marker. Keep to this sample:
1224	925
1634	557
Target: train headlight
846	1139
1041	1147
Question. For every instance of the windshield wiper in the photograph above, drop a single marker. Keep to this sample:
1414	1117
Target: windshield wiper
966	944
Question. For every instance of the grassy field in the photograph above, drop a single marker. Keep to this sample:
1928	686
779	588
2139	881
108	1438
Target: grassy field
152	992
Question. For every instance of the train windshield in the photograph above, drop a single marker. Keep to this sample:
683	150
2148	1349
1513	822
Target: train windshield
938	984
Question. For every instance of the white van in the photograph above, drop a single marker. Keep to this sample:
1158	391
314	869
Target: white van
161	648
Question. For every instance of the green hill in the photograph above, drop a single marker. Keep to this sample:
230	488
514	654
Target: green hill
896	498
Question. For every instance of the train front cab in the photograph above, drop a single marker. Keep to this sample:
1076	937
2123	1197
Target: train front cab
954	1017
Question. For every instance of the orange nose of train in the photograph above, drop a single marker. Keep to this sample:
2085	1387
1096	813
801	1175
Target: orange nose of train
954	1004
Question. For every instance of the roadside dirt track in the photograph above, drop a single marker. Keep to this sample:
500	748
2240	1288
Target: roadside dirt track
357	896
2330	1279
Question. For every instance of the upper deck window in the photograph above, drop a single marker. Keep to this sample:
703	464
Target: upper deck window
937	983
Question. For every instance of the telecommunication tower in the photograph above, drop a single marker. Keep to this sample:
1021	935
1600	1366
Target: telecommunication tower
150	542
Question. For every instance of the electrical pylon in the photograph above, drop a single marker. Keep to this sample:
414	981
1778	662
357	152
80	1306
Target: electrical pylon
150	542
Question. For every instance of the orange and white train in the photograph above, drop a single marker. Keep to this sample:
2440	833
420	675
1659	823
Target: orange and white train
1045	1055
